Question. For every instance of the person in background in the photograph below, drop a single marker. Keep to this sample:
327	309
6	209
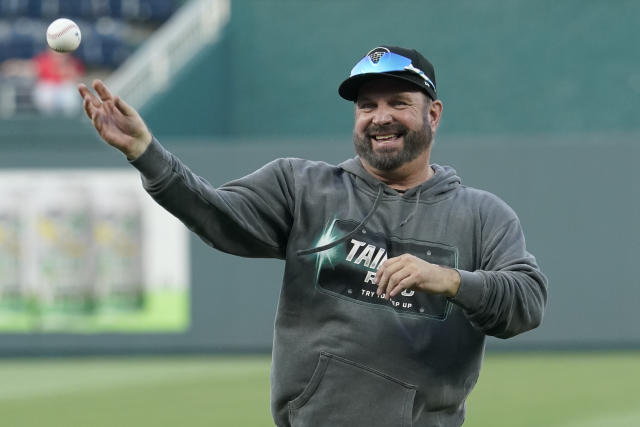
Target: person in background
55	89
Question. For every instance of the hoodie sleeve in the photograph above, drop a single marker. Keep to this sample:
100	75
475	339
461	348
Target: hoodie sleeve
508	294
250	217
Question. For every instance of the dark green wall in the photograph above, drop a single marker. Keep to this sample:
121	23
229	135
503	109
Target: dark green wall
195	105
502	67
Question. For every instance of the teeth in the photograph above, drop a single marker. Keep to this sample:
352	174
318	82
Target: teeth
384	137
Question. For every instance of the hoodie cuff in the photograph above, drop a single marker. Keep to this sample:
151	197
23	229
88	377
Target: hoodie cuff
153	163
471	292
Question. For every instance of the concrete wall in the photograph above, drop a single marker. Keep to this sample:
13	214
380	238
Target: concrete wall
578	201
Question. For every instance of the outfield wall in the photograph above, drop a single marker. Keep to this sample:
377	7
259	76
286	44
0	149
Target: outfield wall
577	199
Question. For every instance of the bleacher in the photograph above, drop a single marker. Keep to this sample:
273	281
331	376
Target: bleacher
111	31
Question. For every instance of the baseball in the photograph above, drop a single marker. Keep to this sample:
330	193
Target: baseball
63	35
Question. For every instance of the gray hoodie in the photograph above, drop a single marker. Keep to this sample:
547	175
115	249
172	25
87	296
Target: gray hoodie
342	356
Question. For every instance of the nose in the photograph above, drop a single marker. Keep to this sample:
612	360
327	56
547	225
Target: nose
382	115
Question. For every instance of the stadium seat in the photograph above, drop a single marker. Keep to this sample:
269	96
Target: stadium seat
10	8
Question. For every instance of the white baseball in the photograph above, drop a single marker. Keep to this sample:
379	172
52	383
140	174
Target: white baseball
63	35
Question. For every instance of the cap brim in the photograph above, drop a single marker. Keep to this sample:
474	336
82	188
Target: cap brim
350	88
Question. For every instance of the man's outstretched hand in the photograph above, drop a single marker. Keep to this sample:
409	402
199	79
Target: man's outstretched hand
116	121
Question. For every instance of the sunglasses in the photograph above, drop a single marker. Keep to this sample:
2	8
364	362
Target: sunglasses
388	62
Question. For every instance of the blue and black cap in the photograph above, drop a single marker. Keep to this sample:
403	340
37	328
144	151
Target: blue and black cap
391	61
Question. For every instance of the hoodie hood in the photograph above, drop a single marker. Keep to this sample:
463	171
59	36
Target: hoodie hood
443	181
438	187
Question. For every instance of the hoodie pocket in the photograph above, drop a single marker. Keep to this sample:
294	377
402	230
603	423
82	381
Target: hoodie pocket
342	393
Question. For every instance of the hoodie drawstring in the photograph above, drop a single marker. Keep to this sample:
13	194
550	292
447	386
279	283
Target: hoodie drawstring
415	209
351	233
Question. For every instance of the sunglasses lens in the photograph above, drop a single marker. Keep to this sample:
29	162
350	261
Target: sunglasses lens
386	62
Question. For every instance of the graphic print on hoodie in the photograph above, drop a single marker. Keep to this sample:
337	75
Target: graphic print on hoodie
349	269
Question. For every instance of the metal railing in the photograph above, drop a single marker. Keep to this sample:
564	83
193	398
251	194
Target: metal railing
149	70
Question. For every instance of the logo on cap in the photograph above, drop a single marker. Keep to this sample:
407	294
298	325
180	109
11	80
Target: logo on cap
376	53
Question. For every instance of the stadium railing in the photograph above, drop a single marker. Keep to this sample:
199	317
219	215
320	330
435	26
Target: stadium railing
149	69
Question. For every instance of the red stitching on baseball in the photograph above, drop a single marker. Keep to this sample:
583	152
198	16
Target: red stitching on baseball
58	34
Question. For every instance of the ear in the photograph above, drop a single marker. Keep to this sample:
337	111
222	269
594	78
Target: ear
434	113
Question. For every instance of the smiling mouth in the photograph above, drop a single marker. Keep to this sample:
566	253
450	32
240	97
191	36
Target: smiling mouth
386	137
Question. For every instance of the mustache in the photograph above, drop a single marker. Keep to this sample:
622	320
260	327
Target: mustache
386	129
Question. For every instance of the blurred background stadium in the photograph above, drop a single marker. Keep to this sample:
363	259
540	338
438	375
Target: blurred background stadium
541	103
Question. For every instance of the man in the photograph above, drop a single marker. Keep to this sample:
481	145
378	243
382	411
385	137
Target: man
395	272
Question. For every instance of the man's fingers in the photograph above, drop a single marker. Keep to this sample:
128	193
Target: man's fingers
102	90
86	105
394	279
384	274
123	107
97	121
387	264
403	284
90	108
85	92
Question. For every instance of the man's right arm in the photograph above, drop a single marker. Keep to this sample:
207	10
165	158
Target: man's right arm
251	216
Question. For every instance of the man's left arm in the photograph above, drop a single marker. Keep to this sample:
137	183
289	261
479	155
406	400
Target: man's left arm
503	298
508	294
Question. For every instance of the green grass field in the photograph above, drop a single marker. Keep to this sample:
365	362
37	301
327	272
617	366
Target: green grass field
515	390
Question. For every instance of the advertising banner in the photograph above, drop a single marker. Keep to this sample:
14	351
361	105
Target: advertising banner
89	251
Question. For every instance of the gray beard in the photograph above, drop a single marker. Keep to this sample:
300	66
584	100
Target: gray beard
415	143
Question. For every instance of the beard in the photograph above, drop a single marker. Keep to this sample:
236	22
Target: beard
414	144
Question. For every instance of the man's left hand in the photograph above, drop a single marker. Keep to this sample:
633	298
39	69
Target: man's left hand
412	273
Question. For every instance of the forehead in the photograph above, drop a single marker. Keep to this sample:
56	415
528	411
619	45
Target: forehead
388	86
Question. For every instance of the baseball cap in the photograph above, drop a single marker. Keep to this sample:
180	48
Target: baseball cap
391	61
